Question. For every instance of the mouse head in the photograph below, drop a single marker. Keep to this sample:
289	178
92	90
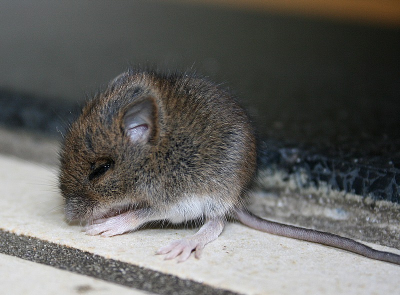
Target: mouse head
96	176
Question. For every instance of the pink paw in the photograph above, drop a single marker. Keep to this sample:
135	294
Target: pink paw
108	227
182	249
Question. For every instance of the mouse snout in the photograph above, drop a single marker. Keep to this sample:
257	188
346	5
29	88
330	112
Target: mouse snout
77	206
73	210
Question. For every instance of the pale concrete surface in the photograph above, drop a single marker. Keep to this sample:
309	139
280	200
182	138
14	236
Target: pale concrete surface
19	276
241	260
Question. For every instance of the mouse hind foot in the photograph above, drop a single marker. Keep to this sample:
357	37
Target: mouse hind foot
182	249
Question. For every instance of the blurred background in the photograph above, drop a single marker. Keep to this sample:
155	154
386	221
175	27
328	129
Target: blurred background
315	70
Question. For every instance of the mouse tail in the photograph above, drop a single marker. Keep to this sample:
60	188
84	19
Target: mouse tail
310	235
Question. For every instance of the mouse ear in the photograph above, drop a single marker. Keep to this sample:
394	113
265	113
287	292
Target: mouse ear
139	121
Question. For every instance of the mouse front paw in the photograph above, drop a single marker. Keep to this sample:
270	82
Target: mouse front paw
112	226
182	249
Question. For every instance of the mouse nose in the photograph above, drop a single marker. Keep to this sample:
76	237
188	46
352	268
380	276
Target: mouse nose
71	213
77	207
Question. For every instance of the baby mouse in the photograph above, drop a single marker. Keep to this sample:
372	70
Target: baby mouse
172	147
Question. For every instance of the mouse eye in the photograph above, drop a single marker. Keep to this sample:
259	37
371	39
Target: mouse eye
98	169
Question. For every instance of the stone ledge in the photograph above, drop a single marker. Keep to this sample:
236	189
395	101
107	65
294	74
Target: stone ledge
96	266
241	261
21	277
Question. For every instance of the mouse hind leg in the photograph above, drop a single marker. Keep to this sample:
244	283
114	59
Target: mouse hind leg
182	249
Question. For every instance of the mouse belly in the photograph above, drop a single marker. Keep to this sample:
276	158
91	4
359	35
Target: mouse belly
196	207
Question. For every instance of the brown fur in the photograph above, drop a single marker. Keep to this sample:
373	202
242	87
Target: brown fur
201	143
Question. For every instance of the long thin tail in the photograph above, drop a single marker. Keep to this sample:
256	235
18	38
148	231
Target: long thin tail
314	236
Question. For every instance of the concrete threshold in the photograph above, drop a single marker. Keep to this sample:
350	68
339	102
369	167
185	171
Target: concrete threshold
24	277
241	261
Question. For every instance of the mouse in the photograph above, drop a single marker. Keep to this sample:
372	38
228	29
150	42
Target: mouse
169	146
